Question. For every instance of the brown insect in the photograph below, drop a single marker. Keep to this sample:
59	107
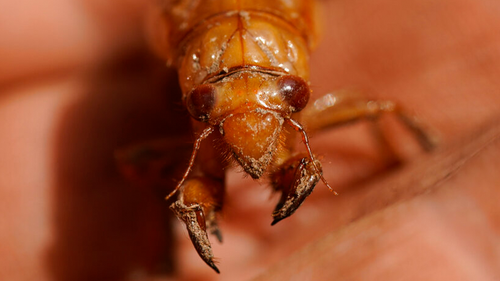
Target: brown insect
243	70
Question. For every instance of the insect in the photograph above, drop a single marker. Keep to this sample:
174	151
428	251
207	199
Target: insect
243	70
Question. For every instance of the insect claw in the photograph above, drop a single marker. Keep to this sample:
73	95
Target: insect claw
212	225
194	219
276	220
217	233
212	265
305	179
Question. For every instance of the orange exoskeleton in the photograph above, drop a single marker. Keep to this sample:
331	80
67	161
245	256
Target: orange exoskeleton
243	70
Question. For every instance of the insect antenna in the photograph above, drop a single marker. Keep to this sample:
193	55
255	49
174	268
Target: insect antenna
305	139
196	147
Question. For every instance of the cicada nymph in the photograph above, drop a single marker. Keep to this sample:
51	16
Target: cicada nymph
243	70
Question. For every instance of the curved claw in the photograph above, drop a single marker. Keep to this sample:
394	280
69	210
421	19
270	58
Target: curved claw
214	229
305	178
194	219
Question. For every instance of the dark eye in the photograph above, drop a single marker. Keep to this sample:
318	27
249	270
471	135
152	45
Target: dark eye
294	91
201	101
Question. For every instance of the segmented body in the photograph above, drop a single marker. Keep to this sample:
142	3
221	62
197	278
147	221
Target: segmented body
212	37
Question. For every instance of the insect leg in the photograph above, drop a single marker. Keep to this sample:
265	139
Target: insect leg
296	179
200	199
343	107
295	175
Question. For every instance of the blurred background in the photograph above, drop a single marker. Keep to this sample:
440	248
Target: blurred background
78	82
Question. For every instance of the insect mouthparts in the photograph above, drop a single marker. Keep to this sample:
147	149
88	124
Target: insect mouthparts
252	137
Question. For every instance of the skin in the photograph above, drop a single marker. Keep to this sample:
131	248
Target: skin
88	87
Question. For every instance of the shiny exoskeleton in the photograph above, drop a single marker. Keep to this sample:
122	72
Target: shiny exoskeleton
243	70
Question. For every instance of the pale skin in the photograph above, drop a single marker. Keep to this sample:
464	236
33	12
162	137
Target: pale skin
56	139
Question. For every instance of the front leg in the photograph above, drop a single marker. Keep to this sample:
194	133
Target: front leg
199	202
295	175
295	179
200	199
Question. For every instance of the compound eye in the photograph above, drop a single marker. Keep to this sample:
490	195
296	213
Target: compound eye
294	91
201	101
